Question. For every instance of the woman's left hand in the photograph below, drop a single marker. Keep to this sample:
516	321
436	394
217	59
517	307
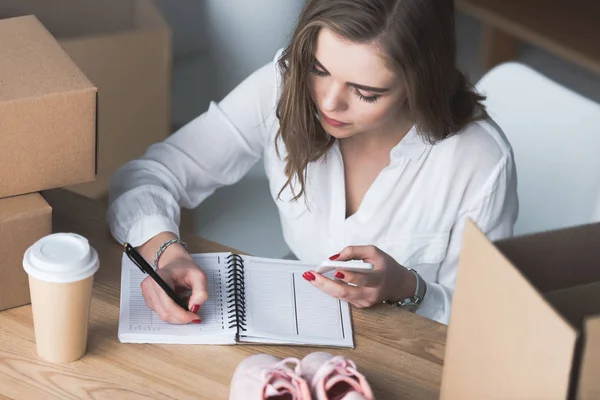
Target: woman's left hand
388	280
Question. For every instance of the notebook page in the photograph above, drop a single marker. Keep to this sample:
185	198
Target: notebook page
281	307
139	324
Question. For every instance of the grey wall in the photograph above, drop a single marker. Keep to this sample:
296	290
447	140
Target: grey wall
217	43
187	20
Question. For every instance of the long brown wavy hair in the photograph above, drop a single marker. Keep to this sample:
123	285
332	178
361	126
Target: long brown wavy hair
419	40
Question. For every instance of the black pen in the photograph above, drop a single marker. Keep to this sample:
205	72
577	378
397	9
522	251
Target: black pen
147	269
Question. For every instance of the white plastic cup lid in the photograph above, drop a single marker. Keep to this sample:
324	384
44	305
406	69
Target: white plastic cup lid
61	258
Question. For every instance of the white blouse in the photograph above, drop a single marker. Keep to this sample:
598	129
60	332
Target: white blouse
415	209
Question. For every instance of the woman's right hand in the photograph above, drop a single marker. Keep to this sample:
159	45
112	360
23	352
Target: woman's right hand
177	268
182	275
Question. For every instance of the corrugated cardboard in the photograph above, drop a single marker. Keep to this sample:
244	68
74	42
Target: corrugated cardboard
23	220
47	112
124	47
523	324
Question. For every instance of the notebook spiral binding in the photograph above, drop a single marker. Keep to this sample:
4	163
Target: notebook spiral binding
236	294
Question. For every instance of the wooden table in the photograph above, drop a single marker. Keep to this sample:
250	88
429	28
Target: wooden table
567	28
400	353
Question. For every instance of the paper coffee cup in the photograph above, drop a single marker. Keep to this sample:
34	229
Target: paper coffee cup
61	270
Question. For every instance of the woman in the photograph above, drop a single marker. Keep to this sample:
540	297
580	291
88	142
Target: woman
376	148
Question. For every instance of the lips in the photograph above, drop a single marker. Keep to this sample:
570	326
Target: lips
333	122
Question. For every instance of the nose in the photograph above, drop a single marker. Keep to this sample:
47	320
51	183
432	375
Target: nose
333	98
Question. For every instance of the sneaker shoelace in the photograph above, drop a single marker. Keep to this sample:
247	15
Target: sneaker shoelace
281	370
337	365
337	378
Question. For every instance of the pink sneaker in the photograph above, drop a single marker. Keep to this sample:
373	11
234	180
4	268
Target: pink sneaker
263	376
334	378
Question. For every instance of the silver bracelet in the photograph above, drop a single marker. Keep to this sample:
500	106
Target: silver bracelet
163	247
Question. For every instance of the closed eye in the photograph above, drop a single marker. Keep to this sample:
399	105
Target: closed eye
367	99
318	72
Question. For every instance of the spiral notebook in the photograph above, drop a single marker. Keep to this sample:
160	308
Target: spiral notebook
251	300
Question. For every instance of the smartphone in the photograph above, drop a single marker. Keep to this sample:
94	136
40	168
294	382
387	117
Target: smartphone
352	266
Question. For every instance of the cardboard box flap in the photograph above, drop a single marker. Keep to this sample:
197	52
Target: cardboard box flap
589	384
546	262
33	64
68	18
504	340
18	207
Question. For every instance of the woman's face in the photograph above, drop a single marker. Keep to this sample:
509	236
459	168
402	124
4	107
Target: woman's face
353	89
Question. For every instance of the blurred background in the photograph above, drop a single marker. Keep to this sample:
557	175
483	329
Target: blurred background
238	36
158	63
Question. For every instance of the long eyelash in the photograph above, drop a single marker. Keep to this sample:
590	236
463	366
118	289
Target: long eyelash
317	72
366	99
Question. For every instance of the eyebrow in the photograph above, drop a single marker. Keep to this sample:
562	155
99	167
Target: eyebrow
356	85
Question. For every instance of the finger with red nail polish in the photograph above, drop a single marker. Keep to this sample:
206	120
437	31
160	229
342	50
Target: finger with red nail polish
309	276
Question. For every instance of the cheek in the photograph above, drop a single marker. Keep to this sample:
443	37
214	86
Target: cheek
381	112
376	114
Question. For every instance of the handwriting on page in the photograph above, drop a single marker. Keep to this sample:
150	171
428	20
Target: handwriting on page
212	313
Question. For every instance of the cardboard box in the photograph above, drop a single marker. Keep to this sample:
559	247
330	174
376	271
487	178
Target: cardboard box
525	318
47	112
23	220
124	48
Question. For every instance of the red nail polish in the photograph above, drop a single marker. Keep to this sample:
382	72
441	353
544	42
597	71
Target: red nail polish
334	257
309	276
195	308
339	275
196	321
